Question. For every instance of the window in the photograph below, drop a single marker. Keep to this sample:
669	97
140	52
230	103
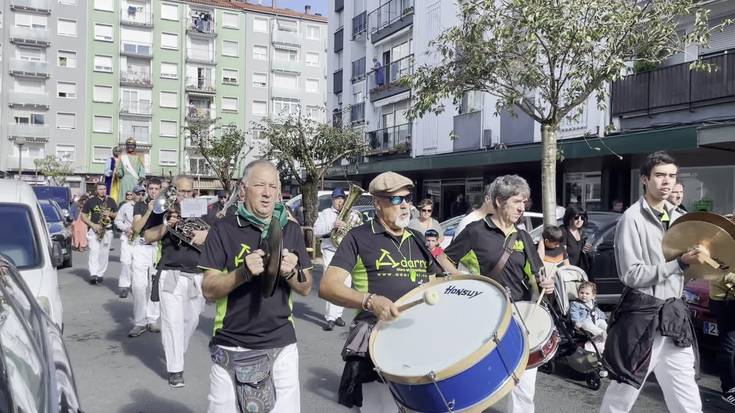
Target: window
65	152
102	124
169	100
312	59
313	32
229	48
314	112
287	25
31	21
67	27
103	32
31	54
102	94
283	107
29	118
169	70
260	25
260	53
100	154
102	63
169	128
167	157
312	85
199	166
230	20
286	81
138	130
260	108
67	59
66	120
229	76
170	41
106	5
169	11
260	80
229	104
67	90
286	55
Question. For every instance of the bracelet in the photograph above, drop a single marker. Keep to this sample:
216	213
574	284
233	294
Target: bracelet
369	305
363	304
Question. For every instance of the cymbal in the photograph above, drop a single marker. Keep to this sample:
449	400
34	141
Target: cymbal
710	217
686	234
273	249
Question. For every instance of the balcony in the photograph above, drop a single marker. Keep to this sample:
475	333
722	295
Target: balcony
133	16
27	68
29	36
31	5
674	88
136	108
357	114
288	66
141	79
389	18
203	84
31	100
28	131
200	55
337	82
385	81
201	25
359	26
137	50
287	38
395	140
199	114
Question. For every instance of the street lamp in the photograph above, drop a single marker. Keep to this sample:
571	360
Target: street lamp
20	141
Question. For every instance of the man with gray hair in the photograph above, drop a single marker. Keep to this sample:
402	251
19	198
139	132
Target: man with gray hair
499	250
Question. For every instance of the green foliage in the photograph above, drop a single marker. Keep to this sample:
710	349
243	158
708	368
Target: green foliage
54	168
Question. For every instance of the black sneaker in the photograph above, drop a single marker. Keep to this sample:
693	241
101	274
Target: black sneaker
339	322
729	397
94	280
176	379
329	326
124	292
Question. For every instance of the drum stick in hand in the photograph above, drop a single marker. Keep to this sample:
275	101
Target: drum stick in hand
429	297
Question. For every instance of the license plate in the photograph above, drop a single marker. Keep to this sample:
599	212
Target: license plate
710	328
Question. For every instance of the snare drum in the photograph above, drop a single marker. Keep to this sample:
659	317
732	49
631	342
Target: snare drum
463	353
543	338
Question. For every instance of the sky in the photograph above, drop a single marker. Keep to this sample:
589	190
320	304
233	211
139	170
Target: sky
317	6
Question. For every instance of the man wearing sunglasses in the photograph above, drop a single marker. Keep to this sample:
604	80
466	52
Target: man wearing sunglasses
386	260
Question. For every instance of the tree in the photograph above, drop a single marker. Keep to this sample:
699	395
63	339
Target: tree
307	148
222	146
545	58
54	168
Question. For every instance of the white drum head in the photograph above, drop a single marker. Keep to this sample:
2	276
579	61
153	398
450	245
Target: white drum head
538	322
430	338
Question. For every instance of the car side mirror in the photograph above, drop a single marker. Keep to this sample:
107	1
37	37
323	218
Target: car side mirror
57	255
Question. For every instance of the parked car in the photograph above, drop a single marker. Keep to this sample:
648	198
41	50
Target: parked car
696	295
35	370
59	227
26	241
60	194
450	226
325	201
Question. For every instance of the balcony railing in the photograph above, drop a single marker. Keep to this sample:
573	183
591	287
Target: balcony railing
200	55
136	78
389	18
28	131
385	81
201	25
140	135
290	66
675	87
137	50
198	114
359	25
40	5
134	16
20	67
200	84
357	113
286	37
28	99
392	140
136	108
31	36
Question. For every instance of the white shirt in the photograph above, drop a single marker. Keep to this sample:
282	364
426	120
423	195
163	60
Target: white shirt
324	225
124	218
473	216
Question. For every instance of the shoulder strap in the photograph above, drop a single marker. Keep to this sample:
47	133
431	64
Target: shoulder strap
500	265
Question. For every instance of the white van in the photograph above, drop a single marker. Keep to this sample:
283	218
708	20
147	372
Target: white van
25	240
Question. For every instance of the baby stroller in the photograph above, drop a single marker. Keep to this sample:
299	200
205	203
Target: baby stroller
573	341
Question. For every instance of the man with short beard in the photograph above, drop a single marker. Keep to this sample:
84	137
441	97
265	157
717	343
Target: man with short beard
386	259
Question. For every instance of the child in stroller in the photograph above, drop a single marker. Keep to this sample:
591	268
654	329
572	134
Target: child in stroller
588	317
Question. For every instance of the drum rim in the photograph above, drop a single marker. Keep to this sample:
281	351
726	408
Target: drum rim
466	362
551	331
549	356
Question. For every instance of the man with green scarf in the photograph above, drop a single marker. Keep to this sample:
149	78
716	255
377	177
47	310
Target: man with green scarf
254	335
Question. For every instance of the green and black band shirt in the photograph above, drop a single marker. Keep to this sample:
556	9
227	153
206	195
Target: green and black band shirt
481	244
244	318
94	206
384	264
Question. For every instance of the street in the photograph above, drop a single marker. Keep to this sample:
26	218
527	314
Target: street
115	373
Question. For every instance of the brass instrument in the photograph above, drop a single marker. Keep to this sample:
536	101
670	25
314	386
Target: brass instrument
105	222
184	229
346	215
713	232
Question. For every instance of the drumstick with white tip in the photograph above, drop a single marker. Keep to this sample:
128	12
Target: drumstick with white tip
429	297
538	302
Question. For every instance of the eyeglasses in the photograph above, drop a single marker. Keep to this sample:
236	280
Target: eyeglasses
426	210
399	199
128	194
582	217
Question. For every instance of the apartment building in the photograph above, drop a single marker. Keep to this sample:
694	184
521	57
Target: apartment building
42	85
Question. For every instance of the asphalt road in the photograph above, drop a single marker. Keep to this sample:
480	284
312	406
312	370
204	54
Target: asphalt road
115	373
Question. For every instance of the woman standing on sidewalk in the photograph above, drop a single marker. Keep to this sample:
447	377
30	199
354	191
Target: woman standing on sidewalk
79	233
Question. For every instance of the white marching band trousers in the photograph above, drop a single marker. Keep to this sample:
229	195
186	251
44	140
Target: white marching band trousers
179	315
99	252
333	311
126	262
222	398
144	310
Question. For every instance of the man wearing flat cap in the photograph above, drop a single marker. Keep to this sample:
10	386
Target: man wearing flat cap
386	259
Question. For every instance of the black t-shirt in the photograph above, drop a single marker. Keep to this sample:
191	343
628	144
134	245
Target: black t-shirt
244	318
94	206
175	253
575	248
482	243
383	264
154	220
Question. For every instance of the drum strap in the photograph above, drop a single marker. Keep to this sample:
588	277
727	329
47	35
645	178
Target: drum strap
500	265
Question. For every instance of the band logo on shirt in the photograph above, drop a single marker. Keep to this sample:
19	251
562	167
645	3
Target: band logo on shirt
240	258
402	268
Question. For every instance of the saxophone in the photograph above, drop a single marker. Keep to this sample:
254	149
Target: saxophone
346	215
105	222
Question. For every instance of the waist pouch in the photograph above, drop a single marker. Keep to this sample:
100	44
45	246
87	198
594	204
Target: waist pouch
250	371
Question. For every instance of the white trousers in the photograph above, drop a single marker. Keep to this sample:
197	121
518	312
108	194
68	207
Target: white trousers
144	310
520	399
126	263
179	316
99	253
674	368
333	311
222	398
376	398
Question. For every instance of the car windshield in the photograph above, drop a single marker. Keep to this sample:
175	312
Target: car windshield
18	238
50	213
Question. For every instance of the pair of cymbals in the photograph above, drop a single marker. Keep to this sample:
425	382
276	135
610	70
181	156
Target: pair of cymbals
713	232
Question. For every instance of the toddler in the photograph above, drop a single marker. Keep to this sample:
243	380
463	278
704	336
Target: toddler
587	316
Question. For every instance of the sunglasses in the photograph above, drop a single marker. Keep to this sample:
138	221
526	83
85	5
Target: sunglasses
426	210
129	194
583	218
399	199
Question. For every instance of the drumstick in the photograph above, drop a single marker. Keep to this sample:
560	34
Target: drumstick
538	304
429	297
